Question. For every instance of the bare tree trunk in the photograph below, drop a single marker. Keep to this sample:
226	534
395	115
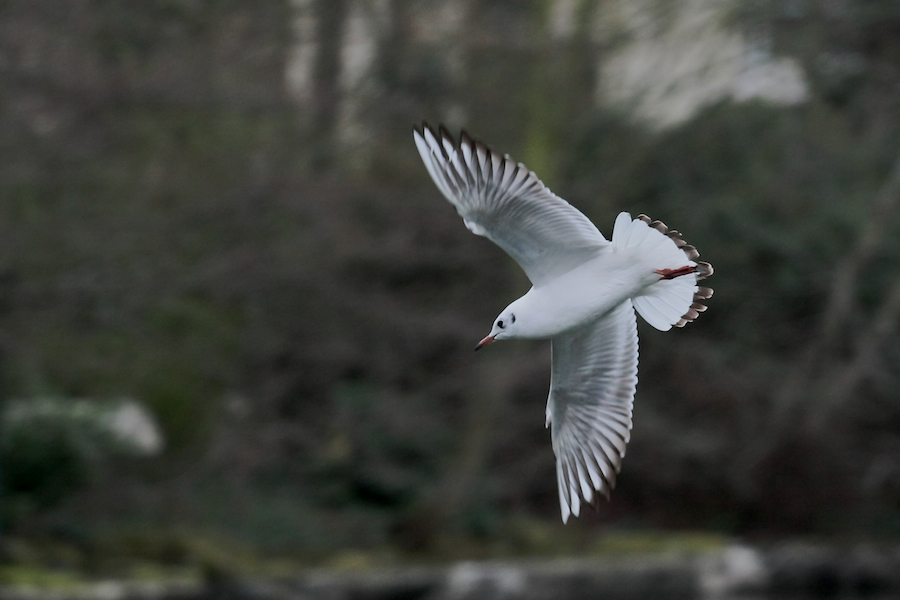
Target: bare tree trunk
493	383
490	387
331	15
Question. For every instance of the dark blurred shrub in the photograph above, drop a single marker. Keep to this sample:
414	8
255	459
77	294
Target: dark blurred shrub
52	447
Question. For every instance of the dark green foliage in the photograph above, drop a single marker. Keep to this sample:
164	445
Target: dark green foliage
50	448
43	463
177	227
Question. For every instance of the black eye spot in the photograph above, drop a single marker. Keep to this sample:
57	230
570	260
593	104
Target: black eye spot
500	324
512	318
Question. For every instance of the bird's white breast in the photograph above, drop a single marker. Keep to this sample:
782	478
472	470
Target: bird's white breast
581	295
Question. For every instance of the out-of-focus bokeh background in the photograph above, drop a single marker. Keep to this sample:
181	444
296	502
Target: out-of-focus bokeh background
237	318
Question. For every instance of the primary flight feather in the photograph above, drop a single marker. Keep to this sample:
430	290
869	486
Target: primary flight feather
584	296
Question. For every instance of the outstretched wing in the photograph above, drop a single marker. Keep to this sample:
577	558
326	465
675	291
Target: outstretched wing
591	395
509	205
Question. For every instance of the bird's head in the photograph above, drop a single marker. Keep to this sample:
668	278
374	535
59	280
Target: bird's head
504	327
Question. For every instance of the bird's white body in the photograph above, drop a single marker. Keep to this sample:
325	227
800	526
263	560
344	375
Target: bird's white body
585	293
582	295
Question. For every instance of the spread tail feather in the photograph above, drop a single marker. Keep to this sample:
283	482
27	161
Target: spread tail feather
676	298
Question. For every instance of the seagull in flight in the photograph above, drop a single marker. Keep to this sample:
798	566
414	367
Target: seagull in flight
585	291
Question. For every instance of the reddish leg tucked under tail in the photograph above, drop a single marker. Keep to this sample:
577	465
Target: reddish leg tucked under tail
673	273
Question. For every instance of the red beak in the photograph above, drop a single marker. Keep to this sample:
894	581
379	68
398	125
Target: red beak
484	343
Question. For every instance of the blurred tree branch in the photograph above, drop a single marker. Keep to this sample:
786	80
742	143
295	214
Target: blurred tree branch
806	400
840	299
867	347
843	287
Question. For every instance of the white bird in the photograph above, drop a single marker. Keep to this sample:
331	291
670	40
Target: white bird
584	294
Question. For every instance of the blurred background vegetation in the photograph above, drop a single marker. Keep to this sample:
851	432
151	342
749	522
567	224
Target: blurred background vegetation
213	209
